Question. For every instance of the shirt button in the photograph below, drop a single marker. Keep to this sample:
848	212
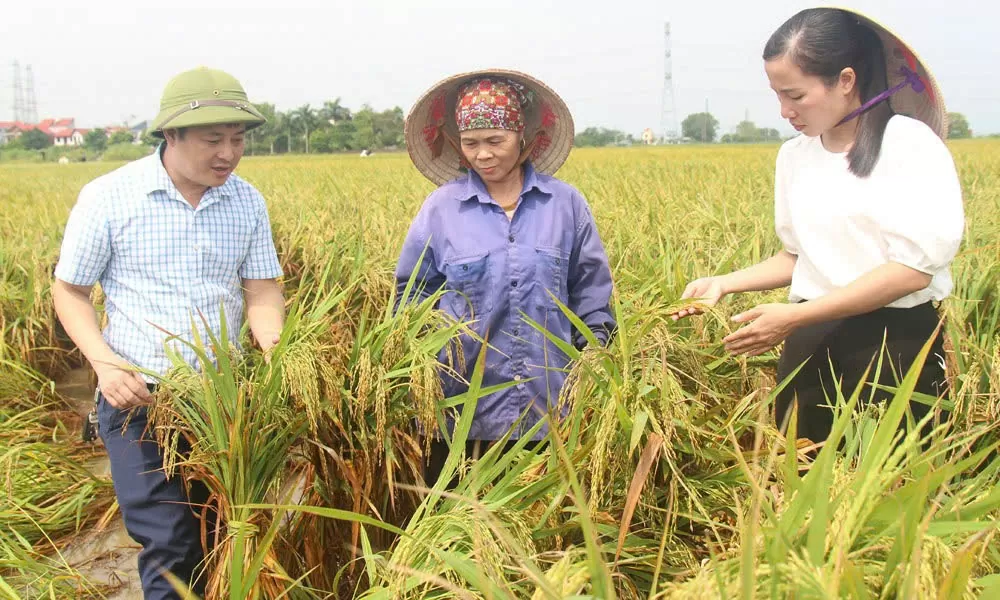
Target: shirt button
510	239
517	331
517	378
513	284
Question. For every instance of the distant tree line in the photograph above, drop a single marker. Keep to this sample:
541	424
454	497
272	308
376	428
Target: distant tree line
333	127
703	128
330	128
601	136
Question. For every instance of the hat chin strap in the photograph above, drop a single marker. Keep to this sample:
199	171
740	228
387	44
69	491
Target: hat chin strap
910	78
194	104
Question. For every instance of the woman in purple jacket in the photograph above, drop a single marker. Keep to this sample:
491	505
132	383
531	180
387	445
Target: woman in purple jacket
505	240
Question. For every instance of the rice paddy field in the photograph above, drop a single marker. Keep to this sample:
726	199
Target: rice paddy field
666	479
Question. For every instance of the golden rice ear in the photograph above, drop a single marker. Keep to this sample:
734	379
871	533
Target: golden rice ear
303	373
364	383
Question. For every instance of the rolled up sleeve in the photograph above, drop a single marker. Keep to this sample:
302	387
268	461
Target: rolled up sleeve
262	259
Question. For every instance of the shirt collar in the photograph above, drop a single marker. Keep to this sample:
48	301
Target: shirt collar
157	180
156	176
476	189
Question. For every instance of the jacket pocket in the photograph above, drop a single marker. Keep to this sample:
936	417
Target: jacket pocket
552	268
467	281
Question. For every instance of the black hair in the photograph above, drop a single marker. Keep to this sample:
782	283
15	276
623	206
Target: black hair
181	132
825	41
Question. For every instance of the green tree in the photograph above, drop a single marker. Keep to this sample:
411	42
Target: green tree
285	120
149	139
342	135
958	126
600	136
281	143
364	125
770	135
332	113
321	140
388	126
35	139
701	127
747	132
267	134
302	119
120	137
95	140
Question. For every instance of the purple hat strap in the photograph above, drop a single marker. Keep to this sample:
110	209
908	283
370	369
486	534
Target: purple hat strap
910	79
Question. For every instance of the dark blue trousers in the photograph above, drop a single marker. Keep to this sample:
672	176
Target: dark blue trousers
158	512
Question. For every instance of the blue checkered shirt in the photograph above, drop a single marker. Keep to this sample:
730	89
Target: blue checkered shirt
161	263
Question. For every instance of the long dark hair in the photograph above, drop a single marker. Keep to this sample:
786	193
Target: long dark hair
825	41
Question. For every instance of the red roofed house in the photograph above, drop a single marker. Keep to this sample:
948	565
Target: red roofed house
13	129
66	136
62	131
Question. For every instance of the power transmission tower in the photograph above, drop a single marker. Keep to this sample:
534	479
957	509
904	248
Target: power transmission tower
668	108
18	89
30	104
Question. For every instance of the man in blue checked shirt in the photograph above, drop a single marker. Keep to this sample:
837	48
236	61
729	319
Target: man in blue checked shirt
171	238
506	240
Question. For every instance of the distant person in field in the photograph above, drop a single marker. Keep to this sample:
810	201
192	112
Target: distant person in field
869	210
171	238
506	240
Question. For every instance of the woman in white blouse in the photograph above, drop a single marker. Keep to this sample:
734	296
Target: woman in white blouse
868	208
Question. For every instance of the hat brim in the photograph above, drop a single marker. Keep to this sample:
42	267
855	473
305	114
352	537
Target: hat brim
927	106
439	162
204	115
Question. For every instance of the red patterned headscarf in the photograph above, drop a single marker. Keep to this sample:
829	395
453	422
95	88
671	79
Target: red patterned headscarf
491	103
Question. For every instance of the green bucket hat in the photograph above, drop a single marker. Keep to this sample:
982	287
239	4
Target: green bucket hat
204	96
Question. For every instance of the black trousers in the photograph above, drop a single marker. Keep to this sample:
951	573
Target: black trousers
159	513
850	345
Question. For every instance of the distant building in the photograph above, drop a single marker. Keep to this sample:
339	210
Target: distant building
62	132
138	130
66	136
13	130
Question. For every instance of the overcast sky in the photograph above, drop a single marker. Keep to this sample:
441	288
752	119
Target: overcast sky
103	63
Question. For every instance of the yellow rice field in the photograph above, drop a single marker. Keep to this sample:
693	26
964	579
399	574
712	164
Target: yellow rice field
666	480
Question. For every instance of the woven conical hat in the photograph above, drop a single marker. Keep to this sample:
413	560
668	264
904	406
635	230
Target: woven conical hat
432	135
